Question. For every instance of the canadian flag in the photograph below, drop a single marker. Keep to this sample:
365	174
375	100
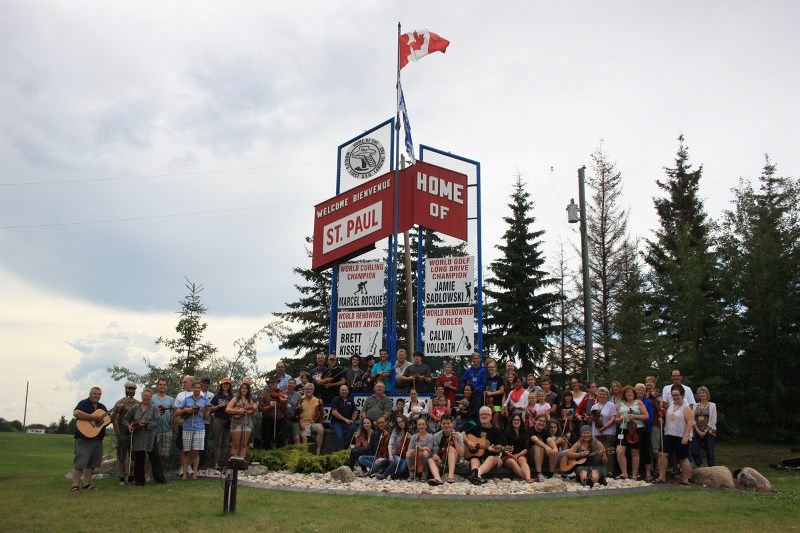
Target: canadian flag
418	44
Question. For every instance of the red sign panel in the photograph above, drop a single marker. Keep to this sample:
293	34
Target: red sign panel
349	224
436	198
353	221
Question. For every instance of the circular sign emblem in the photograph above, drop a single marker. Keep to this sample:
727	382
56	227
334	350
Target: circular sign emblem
365	158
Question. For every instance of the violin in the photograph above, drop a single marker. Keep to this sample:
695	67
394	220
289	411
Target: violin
404	445
418	466
448	442
631	435
598	419
383	445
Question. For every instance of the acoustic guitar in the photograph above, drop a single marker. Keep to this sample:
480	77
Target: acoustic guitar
90	429
482	450
567	465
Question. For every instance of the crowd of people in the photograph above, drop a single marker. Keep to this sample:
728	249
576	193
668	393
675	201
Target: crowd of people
481	420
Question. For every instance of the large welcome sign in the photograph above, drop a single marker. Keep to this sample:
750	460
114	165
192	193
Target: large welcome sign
351	223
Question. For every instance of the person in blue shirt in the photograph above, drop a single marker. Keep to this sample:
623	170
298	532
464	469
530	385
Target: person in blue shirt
195	410
475	375
344	417
383	368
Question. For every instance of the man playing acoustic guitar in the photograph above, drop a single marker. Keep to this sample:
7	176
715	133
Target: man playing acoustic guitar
482	446
88	446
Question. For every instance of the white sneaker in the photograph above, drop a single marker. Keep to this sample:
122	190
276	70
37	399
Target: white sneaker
556	476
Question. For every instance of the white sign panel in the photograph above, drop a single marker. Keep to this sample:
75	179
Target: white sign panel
361	285
352	227
449	331
358	333
450	281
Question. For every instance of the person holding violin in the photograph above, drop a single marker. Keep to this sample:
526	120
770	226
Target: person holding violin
577	390
332	379
483	443
631	417
448	447
419	451
240	409
141	421
604	426
420	374
566	411
584	408
516	436
660	408
591	454
355	374
272	404
377	448
677	434
359	444
398	448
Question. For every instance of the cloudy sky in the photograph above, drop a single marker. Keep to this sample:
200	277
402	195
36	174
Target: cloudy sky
145	142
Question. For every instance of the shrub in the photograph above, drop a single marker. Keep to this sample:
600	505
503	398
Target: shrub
298	459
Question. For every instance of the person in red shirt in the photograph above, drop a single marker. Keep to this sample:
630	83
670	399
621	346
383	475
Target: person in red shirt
450	382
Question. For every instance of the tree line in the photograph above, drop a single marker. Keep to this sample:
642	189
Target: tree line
716	298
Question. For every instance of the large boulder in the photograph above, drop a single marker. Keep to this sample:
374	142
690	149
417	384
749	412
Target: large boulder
713	476
256	470
343	474
553	485
750	478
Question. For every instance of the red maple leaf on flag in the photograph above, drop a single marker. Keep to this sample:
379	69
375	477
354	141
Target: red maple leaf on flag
418	44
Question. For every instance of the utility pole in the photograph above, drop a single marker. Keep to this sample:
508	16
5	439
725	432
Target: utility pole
574	216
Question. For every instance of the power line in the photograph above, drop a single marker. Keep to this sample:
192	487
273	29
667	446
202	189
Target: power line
151	176
154	217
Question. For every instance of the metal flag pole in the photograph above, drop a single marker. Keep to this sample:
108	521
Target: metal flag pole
392	325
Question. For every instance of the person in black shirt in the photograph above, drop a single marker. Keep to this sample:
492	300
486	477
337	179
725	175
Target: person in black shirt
88	448
483	443
542	443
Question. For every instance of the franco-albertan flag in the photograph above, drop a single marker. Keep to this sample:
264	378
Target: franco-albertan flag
418	44
401	105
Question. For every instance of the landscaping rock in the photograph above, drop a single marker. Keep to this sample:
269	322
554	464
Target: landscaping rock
553	485
713	476
343	474
256	470
750	478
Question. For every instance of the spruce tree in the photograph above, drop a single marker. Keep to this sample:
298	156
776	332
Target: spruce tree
519	310
191	351
683	303
760	247
312	312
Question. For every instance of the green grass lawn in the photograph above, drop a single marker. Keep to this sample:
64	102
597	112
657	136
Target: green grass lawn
35	496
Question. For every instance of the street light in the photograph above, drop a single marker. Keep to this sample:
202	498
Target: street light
575	214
